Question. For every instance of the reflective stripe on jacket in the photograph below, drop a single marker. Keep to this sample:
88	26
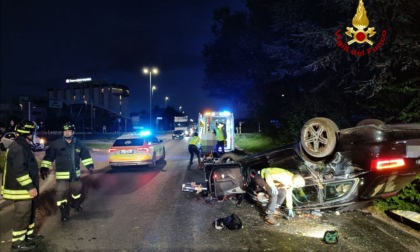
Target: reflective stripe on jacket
67	157
21	172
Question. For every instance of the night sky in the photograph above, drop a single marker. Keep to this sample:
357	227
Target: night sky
45	42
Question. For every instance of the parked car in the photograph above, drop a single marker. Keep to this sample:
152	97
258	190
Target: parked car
178	134
136	149
343	169
7	139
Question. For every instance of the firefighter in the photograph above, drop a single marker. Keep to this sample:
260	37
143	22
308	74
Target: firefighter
21	185
193	148
279	184
67	152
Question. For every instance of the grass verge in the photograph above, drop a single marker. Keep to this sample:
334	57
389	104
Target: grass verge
254	142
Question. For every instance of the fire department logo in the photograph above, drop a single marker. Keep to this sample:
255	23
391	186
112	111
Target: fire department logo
360	22
360	33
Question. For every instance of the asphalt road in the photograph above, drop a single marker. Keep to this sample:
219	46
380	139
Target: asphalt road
143	209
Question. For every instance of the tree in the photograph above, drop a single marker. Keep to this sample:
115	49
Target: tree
384	84
282	59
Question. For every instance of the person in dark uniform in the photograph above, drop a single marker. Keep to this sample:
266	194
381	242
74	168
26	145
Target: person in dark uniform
21	185
67	152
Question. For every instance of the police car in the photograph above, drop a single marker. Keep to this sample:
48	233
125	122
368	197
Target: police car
136	149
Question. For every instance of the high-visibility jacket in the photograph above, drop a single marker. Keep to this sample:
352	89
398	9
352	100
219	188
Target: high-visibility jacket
282	176
67	157
21	172
219	135
195	140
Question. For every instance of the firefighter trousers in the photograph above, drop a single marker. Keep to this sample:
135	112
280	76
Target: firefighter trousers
63	188
24	220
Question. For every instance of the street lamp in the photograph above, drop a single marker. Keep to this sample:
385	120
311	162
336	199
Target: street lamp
180	107
153	89
166	101
150	71
21	109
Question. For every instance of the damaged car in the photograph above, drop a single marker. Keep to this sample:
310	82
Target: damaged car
344	169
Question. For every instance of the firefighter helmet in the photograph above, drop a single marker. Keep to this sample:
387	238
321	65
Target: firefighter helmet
69	126
298	181
26	128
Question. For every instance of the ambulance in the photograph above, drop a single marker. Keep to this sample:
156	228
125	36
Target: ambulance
206	129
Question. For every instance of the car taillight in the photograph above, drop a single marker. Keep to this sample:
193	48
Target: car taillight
386	164
112	150
143	149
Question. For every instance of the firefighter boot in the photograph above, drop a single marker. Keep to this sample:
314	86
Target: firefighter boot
34	238
76	205
23	246
64	212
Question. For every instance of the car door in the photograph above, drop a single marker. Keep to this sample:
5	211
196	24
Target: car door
324	187
156	146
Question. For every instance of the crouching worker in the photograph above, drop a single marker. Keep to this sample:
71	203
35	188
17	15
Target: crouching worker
279	184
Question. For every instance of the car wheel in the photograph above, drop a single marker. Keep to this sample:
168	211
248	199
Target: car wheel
2	147
230	158
318	137
153	164
376	122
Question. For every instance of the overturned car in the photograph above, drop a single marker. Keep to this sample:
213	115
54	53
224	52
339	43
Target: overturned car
343	169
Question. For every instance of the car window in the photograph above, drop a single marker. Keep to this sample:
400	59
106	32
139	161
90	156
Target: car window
313	194
152	140
129	142
337	190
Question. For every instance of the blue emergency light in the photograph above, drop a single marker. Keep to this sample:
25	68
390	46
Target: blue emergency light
145	133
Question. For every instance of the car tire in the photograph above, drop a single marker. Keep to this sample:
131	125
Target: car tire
230	158
375	122
318	137
153	164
